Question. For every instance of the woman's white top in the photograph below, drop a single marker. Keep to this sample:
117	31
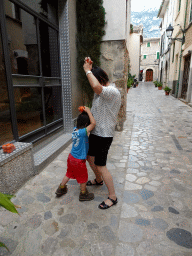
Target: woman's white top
105	109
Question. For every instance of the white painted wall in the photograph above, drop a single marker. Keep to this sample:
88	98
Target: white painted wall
134	53
116	19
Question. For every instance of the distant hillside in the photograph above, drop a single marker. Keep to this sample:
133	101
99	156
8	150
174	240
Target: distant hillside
149	20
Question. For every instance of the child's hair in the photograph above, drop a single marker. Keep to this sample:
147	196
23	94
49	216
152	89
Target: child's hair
101	75
83	120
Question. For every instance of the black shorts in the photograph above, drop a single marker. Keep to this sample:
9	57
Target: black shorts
99	147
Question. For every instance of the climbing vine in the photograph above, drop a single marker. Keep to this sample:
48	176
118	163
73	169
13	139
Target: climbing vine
90	30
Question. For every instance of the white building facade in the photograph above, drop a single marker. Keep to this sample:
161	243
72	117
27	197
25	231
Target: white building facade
150	59
136	40
166	13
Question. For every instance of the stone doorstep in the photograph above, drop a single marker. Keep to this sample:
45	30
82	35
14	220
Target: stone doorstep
47	154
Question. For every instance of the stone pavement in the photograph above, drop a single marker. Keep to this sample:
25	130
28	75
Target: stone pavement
151	163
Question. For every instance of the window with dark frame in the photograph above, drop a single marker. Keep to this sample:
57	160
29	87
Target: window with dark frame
173	53
35	68
17	12
179	6
190	19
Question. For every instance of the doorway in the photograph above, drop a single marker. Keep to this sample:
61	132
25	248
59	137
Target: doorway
149	75
185	77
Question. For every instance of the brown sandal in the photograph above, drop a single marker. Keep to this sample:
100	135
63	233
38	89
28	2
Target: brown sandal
89	183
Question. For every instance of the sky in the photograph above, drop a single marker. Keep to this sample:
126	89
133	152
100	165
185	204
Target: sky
140	5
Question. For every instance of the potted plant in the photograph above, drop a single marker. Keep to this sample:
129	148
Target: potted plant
159	85
130	81
155	83
167	90
129	85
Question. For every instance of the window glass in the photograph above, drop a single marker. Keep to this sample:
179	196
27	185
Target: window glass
179	5
53	106
6	133
47	8
28	109
49	50
22	39
173	53
191	13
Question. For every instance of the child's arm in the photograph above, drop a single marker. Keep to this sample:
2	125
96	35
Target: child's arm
92	120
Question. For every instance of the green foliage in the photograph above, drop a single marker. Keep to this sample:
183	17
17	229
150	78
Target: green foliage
167	89
155	83
130	80
90	30
159	84
8	205
3	245
131	28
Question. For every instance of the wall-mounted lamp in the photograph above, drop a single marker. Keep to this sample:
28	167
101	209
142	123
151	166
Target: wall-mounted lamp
169	32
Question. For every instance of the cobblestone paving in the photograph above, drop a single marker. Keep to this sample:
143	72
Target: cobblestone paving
151	163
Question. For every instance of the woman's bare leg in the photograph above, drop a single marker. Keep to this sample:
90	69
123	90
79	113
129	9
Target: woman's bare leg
98	176
107	177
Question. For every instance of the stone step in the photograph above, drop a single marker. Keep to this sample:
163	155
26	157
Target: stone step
47	154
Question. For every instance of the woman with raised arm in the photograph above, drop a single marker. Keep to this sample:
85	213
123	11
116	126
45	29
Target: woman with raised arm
105	108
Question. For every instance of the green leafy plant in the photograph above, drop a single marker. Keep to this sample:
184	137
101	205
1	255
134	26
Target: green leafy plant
167	89
130	80
129	84
8	205
131	28
90	30
159	84
155	83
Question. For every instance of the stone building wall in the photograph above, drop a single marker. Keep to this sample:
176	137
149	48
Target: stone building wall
114	60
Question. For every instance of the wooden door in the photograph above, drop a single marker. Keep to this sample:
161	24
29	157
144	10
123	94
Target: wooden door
149	75
185	77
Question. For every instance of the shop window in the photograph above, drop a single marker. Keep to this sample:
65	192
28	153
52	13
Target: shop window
34	57
6	133
29	109
23	46
53	105
49	50
46	8
16	12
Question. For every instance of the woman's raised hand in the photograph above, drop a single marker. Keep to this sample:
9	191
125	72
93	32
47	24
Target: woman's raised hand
87	64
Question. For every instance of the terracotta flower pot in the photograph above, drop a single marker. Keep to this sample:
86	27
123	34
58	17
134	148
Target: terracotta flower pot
166	93
160	88
128	90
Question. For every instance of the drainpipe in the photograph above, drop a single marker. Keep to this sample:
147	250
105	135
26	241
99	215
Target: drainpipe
178	81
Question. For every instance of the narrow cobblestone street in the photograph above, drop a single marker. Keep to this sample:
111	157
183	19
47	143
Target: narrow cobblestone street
151	163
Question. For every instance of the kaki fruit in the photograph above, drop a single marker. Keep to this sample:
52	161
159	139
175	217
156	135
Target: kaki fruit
81	109
8	148
89	60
